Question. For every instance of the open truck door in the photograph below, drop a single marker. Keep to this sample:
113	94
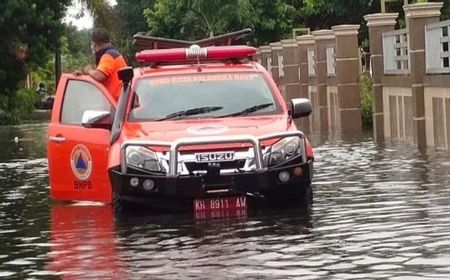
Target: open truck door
79	139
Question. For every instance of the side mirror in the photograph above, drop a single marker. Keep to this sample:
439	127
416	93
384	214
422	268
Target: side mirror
300	107
96	119
126	74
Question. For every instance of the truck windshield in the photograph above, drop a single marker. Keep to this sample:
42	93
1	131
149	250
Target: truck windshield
202	96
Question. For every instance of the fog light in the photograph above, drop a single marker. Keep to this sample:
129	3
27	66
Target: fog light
284	176
298	172
134	182
148	185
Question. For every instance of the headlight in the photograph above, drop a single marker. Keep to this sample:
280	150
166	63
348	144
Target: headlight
283	150
142	158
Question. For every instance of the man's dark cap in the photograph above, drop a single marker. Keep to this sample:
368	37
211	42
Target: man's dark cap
100	35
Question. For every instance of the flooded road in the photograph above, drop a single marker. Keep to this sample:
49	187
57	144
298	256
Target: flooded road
380	212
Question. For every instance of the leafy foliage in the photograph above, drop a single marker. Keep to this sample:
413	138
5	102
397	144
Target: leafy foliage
195	19
366	98
75	50
30	30
103	14
74	55
445	10
131	15
14	107
271	20
173	19
318	14
217	15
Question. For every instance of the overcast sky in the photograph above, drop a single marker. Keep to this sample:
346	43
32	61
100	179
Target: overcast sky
83	22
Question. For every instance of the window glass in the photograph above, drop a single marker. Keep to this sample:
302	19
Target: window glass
79	97
445	31
228	93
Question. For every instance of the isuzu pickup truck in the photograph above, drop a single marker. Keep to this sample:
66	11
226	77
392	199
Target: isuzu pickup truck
203	128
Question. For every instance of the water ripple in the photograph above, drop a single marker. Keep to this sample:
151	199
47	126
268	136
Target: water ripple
380	212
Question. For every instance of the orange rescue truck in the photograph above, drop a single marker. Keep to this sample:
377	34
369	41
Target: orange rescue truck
202	127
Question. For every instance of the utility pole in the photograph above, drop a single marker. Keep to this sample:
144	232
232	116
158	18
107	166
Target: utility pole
57	65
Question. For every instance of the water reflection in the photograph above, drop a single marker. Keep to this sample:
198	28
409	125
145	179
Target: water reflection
24	218
30	141
83	243
380	212
384	207
173	247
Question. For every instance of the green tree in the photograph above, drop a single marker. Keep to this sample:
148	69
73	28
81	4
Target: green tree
270	20
172	19
79	39
196	19
30	30
103	14
74	56
319	14
445	10
131	14
217	15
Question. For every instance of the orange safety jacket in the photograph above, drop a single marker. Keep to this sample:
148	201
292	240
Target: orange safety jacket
109	61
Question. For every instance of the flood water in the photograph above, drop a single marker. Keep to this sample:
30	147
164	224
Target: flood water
380	212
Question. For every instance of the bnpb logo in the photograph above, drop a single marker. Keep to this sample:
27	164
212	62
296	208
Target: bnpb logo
81	162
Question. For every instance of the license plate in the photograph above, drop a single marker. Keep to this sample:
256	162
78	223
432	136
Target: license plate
220	207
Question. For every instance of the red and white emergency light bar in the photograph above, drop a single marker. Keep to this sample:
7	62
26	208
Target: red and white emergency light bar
195	53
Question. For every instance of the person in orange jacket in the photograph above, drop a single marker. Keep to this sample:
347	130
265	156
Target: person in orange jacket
108	62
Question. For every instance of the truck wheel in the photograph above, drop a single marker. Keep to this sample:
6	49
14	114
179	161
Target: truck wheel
117	204
291	195
308	196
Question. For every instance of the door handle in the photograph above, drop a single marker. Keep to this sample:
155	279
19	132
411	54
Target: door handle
57	139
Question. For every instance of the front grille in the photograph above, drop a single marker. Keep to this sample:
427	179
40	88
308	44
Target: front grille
195	166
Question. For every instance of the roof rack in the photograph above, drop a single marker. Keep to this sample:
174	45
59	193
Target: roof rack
149	42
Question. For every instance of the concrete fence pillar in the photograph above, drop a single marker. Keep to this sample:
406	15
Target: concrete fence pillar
417	16
304	43
291	76
257	56
275	50
348	72
378	24
307	82
266	57
323	39
277	66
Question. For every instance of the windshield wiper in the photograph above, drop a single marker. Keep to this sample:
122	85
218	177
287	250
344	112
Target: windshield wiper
191	112
248	110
